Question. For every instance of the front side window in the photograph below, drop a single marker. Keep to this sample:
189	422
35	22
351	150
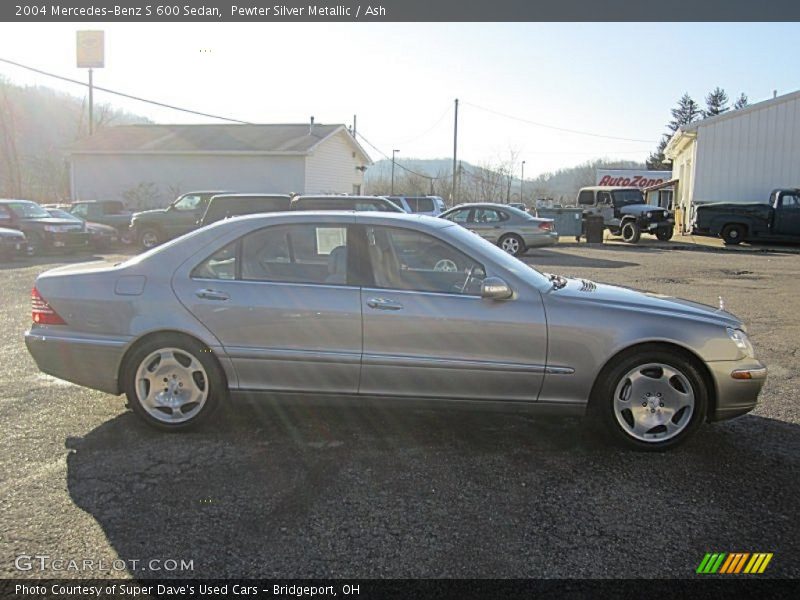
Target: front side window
81	210
187	203
460	216
305	253
486	215
404	259
603	198
586	197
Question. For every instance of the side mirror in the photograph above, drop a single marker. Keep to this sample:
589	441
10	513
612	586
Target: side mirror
494	288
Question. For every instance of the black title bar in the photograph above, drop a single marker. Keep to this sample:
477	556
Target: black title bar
397	10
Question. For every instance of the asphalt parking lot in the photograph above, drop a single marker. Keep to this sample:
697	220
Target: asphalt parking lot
375	492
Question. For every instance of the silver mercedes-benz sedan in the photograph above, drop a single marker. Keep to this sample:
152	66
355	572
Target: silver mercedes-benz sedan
385	306
512	229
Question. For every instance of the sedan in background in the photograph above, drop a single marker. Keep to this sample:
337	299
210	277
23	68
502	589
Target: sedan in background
387	306
101	237
512	229
43	231
12	243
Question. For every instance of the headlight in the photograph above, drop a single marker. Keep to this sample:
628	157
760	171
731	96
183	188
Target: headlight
649	215
741	340
52	228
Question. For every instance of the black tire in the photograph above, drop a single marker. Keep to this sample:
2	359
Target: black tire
664	233
513	244
602	403
215	381
733	234
149	237
630	232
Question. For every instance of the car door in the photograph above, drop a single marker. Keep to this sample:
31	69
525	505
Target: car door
487	223
279	301
787	216
428	332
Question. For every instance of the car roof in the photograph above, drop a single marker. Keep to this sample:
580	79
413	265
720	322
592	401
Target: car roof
253	195
346	216
339	197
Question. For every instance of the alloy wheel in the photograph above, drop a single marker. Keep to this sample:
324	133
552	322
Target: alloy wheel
171	385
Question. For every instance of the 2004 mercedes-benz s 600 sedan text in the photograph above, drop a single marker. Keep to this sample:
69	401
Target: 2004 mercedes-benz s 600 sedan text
384	305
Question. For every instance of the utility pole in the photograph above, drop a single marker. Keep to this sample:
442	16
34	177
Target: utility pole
455	155
522	182
90	54
91	103
393	154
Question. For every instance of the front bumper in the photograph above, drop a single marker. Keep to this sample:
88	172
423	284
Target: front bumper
647	225
70	240
92	362
737	384
12	246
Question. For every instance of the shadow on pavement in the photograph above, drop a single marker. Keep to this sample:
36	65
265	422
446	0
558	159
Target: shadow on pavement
264	491
551	257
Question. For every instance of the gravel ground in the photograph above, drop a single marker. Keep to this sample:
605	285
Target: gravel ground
308	492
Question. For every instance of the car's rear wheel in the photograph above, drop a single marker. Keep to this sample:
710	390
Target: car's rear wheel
172	382
512	243
652	399
733	234
149	238
664	233
630	232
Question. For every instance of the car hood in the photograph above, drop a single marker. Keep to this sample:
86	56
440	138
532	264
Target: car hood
100	228
638	209
54	221
639	301
152	211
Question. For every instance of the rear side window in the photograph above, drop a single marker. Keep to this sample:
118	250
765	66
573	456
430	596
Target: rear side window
417	205
586	197
307	253
220	265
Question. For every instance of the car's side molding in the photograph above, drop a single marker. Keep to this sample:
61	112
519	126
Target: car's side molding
390	360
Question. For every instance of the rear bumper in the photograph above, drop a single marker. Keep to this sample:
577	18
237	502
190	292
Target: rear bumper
538	239
736	396
92	362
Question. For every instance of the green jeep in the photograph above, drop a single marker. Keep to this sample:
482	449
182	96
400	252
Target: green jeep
153	227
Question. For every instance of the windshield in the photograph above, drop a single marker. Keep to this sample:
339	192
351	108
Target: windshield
28	210
624	197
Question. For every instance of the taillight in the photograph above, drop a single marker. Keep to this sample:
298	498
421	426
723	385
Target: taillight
41	312
546	225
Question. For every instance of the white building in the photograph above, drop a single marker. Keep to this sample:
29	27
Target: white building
738	156
149	165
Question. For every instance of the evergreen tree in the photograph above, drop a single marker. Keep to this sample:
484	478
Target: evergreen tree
741	102
657	161
686	112
716	103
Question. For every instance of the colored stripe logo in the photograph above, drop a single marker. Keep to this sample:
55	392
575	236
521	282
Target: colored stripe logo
734	563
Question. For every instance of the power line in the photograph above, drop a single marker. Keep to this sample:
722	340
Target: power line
123	94
387	157
427	131
554	127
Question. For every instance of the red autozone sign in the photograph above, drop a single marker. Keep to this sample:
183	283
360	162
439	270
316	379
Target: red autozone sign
632	178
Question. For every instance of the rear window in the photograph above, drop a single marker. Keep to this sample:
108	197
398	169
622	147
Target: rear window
417	205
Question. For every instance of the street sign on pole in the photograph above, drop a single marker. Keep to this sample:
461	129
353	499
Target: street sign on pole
91	49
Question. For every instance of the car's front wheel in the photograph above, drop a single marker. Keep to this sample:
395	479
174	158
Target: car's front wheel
512	243
149	238
630	232
172	382
651	399
664	233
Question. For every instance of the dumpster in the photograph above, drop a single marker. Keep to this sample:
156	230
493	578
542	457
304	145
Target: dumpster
566	221
593	229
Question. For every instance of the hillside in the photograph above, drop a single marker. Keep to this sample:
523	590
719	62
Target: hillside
36	124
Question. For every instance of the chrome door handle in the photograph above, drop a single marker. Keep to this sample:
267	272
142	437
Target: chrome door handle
384	304
207	294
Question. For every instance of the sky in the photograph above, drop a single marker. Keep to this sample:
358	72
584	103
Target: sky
400	79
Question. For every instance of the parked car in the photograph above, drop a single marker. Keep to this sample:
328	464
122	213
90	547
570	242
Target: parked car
43	232
333	202
778	220
223	206
329	303
12	243
101	237
625	212
420	205
510	228
152	227
105	212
